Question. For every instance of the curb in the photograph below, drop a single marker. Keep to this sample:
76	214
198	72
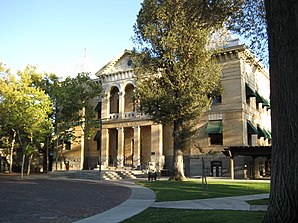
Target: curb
140	199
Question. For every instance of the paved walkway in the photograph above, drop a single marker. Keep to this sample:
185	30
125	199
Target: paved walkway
140	199
223	203
143	198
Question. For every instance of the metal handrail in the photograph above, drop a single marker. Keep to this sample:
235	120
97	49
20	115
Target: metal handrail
103	161
118	161
135	161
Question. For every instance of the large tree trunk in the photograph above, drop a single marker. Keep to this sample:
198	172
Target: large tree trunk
11	150
282	18
177	170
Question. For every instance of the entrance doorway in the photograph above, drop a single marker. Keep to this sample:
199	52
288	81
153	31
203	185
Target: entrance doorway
128	146
216	168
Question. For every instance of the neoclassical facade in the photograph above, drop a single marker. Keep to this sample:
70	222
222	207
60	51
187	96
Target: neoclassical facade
240	117
129	138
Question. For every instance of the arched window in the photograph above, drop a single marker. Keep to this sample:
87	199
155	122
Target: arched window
114	100
129	101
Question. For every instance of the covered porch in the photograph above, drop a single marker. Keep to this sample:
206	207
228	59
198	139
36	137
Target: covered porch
254	152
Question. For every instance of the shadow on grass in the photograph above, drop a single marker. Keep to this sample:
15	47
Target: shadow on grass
156	215
189	190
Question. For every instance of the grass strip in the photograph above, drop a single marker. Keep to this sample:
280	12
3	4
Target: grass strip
192	189
157	215
259	202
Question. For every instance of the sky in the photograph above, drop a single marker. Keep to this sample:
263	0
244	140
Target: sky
56	36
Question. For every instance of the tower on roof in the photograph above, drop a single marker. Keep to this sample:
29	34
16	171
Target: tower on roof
84	65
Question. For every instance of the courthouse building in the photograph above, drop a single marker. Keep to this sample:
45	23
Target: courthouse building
236	129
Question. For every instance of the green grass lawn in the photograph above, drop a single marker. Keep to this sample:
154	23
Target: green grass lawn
157	215
192	189
259	202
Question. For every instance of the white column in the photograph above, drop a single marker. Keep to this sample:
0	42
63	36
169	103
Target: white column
254	140
105	112
137	146
105	147
82	140
120	147
232	167
157	146
121	104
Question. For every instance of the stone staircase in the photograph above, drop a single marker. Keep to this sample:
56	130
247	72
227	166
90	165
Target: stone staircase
76	174
118	174
94	174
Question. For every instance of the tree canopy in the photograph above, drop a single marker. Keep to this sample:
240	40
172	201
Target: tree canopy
175	70
249	21
33	105
72	99
24	109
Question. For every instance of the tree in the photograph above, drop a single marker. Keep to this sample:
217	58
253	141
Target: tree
282	20
72	98
175	71
278	20
76	107
249	21
24	110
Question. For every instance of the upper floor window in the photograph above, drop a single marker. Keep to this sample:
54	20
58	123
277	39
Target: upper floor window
251	130
214	130
249	92
98	109
216	100
67	145
215	139
129	105
114	100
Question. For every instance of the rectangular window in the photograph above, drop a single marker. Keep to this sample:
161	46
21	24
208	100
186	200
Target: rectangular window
248	101
249	141
98	109
215	139
216	100
67	145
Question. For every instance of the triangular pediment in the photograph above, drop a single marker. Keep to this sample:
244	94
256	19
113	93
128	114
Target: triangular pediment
121	63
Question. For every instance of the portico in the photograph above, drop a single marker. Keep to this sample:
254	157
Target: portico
129	138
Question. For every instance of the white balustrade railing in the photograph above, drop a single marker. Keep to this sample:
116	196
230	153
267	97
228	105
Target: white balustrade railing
128	115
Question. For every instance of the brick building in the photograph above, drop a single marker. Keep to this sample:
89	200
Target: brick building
239	118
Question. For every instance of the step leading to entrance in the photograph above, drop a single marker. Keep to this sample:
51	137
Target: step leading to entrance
94	174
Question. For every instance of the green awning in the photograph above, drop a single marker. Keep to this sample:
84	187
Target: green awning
249	92
260	99
214	127
261	132
268	134
251	129
265	103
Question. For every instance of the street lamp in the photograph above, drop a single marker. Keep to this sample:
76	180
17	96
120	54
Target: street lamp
99	147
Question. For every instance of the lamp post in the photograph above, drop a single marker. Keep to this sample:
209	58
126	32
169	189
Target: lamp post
99	141
99	147
57	147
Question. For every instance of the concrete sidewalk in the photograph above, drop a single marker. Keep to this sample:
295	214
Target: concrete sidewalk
223	203
143	198
140	199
